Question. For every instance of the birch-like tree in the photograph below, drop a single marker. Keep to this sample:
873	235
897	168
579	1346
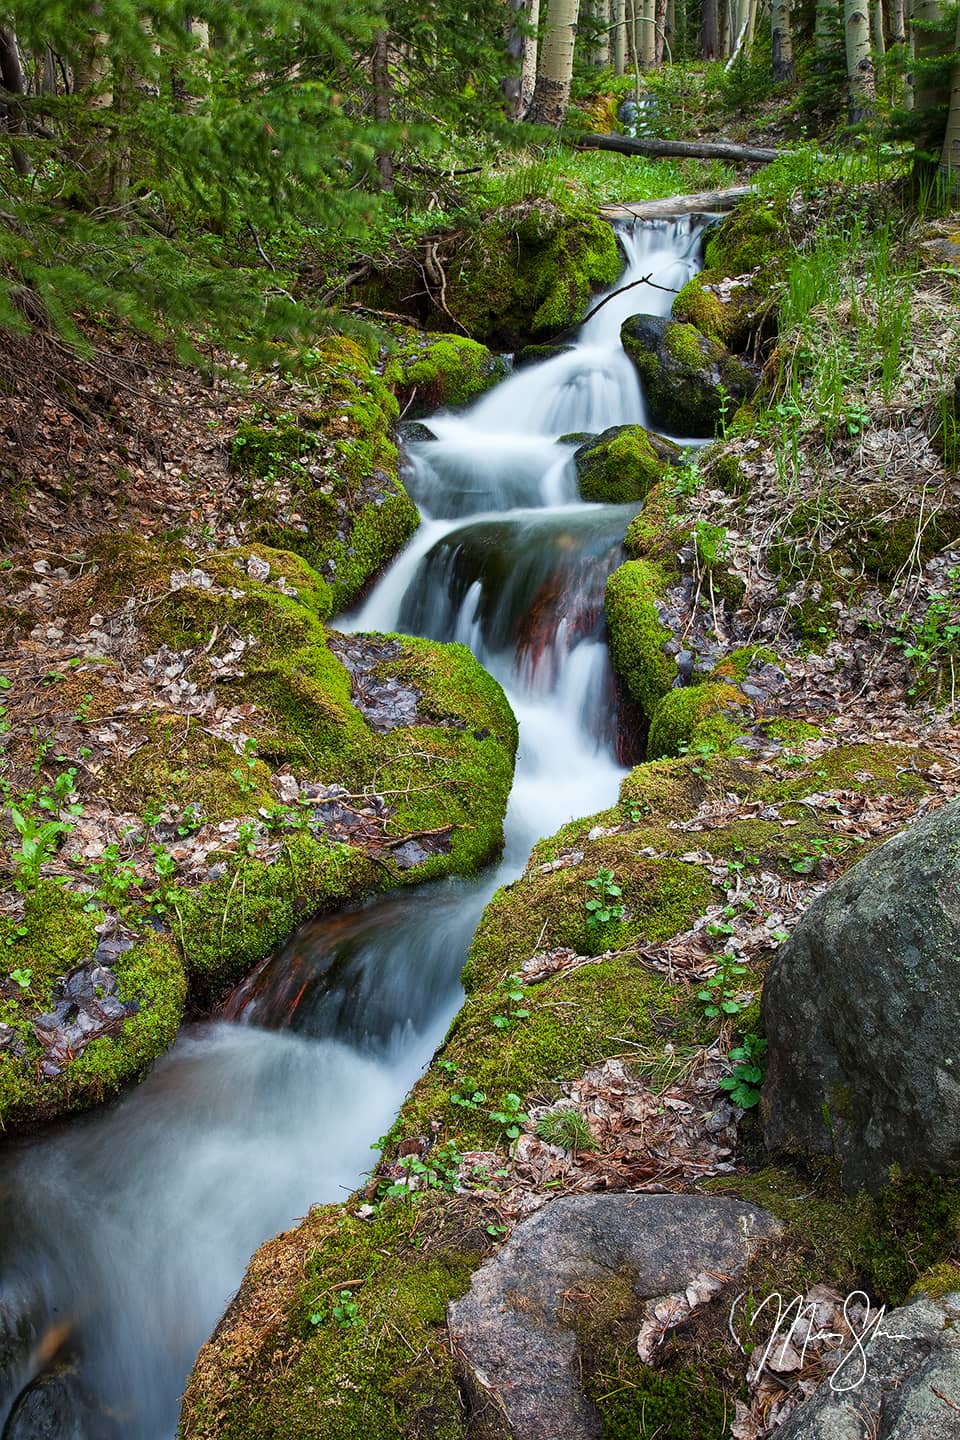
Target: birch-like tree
551	94
861	79
782	40
950	153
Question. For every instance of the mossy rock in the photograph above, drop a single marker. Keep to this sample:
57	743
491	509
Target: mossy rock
658	532
428	373
524	274
749	246
623	464
753	235
696	718
692	383
388	1371
637	635
536	354
325	479
145	985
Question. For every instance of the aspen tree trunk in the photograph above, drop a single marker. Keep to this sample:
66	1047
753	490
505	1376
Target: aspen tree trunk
860	75
876	28
709	30
620	36
825	25
522	48
601	13
648	33
380	74
661	25
950	154
751	24
782	40
898	23
743	18
555	68
727	20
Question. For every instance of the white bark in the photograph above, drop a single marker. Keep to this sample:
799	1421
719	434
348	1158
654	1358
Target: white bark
782	40
620	36
860	74
555	67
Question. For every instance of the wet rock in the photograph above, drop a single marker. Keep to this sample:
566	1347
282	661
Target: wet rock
534	354
415	432
904	1385
862	1014
512	1326
85	1006
57	1406
384	701
690	381
624	463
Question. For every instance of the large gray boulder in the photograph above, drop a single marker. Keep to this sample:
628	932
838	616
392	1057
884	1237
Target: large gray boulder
691	382
861	1009
513	1326
904	1384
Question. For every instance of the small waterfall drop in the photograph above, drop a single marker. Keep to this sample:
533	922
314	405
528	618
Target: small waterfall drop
127	1231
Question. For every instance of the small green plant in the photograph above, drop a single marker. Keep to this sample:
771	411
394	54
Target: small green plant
468	1098
22	977
743	1084
511	989
566	1128
438	1169
343	1312
191	820
39	837
163	899
510	1116
114	879
245	772
721	994
605	903
805	858
932	645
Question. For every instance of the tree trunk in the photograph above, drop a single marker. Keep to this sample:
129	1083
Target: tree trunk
703	200
950	154
555	68
660	42
860	74
682	149
929	94
782	41
522	48
825	25
11	73
648	33
876	28
380	74
600	10
898	23
620	37
744	17
709	30
726	26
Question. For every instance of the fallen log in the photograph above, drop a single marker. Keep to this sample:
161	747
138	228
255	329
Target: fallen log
685	149
703	200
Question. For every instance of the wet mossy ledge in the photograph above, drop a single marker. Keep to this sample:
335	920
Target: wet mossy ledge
548	996
523	275
294	770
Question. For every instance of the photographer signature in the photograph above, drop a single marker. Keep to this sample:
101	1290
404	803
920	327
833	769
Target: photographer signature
794	1324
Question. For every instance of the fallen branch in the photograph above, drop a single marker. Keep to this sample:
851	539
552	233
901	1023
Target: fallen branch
702	200
686	149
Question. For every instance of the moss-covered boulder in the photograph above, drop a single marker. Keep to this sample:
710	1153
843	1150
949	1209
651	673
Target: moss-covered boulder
637	634
428	373
732	298
695	718
524	274
80	1014
624	463
692	383
323	479
284	777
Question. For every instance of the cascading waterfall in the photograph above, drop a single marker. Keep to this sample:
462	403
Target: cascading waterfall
123	1235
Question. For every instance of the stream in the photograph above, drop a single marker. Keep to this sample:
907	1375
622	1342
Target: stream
124	1234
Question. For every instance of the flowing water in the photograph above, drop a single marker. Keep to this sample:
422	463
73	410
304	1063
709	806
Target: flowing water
123	1235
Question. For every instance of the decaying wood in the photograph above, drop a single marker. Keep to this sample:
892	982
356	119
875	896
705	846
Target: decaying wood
703	200
684	149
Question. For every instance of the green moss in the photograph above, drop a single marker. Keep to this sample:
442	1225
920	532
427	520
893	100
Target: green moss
793	731
751	236
696	306
523	273
692	382
623	464
727	472
334	467
657	533
637	636
447	371
61	935
687	346
736	664
388	1373
938	1281
695	717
